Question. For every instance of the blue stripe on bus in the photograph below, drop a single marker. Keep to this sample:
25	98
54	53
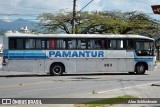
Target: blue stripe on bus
142	59
18	54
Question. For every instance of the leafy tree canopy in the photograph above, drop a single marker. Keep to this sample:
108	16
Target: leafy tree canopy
115	22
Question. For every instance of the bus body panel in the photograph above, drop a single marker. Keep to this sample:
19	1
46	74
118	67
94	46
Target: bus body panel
27	65
75	61
41	65
5	42
117	60
86	65
110	64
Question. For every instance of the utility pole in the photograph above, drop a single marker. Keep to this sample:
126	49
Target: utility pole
74	17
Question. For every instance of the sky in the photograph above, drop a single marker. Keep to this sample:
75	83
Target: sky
29	9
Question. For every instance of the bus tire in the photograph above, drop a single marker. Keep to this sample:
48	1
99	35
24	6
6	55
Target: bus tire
140	68
57	69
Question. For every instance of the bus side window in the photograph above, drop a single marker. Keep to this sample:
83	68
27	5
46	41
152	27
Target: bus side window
19	44
72	44
100	44
120	44
78	44
61	44
43	42
112	44
52	44
30	43
130	44
103	44
81	44
12	43
116	44
91	44
97	44
38	44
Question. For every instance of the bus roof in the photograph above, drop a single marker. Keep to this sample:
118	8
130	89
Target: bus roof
18	34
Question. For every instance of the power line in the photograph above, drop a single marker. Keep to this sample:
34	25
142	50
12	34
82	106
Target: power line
86	6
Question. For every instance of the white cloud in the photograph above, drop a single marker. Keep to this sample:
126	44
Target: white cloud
40	6
133	5
5	18
33	6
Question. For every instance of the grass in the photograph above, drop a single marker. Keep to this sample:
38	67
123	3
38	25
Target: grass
94	92
158	61
107	101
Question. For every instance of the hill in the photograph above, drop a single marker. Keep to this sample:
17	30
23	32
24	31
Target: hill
16	25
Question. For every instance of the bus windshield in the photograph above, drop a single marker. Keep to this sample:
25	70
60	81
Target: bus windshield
144	48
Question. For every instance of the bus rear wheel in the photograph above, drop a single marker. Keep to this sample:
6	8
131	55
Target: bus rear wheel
57	69
140	69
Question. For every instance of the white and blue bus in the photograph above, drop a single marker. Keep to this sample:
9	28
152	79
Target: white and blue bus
78	53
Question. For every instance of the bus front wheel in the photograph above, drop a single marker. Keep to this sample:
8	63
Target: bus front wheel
140	69
57	69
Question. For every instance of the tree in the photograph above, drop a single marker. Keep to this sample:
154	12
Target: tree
141	23
56	23
114	22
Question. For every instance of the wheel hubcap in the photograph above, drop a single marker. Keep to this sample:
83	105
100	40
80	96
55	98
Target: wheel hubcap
57	69
141	68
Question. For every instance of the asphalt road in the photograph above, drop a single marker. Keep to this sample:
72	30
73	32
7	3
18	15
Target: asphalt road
24	85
